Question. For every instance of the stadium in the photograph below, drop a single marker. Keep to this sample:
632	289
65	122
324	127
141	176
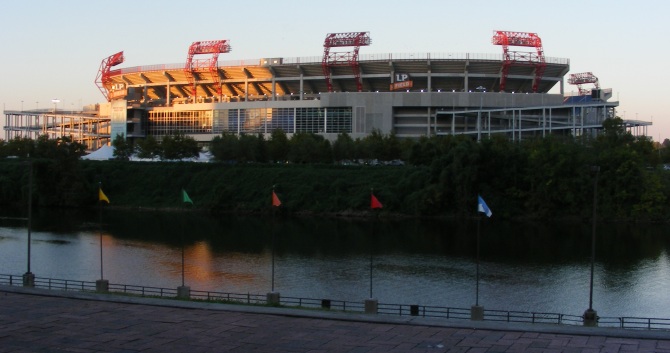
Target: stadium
340	91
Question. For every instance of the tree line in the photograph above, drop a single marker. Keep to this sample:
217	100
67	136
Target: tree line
175	146
535	178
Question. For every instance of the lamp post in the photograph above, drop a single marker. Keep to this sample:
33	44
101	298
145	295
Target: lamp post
590	315
55	101
29	277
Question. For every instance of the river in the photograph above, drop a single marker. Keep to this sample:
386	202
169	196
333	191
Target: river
523	266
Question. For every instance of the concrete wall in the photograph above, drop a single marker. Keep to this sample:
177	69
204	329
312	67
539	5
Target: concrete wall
379	107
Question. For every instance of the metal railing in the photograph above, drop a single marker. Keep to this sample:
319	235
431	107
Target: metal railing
636	323
318	59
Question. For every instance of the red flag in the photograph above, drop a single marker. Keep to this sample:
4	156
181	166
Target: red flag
374	203
275	200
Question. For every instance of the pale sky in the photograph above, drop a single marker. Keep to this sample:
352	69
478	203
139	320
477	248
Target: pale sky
53	49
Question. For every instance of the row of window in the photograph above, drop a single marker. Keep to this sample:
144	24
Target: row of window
251	121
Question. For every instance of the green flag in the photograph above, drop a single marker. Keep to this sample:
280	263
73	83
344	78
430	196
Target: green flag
185	197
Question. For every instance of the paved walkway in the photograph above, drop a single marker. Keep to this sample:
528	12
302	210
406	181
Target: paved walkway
35	320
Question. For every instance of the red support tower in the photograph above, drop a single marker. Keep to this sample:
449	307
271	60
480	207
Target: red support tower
102	80
214	47
582	78
350	39
520	39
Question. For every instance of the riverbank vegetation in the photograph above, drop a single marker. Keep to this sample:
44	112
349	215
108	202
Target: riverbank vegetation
551	177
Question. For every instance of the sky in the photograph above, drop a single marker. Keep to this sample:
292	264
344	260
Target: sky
53	49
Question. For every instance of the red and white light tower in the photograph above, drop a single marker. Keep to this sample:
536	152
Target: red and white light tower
520	39
350	39
583	78
103	80
214	47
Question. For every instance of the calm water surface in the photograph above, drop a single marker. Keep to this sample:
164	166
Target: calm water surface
525	267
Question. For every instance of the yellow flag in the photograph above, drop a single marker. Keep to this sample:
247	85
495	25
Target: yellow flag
102	196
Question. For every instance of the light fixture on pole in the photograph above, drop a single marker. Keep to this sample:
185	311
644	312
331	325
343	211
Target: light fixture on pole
55	101
29	277
590	315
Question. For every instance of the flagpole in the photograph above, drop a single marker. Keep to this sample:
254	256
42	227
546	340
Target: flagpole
273	244
476	311
30	209
182	254
374	206
101	285
371	249
182	240
374	222
479	217
100	227
273	298
371	304
183	292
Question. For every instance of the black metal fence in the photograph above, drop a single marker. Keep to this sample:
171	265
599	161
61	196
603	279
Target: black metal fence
638	323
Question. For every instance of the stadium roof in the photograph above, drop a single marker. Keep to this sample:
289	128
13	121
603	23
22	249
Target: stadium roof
442	72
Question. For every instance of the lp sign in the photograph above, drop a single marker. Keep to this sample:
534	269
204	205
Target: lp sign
401	81
401	77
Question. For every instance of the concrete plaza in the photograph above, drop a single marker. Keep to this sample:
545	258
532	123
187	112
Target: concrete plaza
37	320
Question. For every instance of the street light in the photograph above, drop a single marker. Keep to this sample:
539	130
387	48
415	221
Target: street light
29	277
55	101
590	315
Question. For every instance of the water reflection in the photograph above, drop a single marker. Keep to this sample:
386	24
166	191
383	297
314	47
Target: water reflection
527	267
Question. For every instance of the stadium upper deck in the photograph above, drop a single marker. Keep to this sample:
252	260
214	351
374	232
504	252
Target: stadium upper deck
281	77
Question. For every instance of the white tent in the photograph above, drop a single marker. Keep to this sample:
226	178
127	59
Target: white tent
107	152
102	154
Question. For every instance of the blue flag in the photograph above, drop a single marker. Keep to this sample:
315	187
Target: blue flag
482	207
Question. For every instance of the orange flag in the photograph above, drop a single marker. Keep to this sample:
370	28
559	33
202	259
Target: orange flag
275	200
374	203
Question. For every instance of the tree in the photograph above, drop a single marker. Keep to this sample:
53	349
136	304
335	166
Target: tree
424	151
392	147
665	151
224	147
261	149
44	147
307	148
278	146
61	148
179	146
325	152
344	147
122	149
373	145
247	148
148	147
614	133
20	147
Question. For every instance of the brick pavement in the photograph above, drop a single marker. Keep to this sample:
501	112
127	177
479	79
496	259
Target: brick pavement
34	320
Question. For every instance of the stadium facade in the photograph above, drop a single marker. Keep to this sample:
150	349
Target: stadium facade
410	95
